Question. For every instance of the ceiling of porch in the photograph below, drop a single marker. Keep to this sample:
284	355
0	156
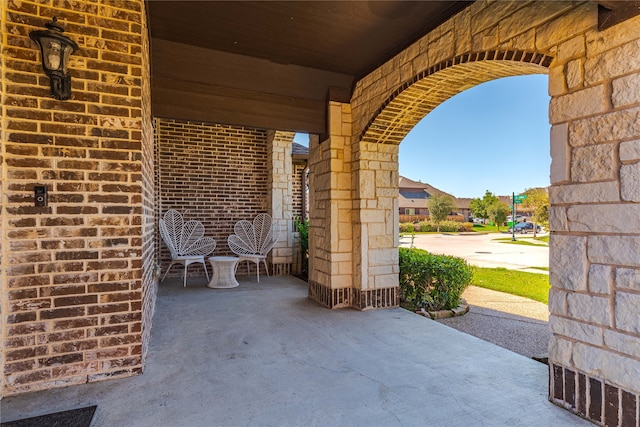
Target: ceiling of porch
274	64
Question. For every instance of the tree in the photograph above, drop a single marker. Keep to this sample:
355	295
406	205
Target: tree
440	206
498	212
479	206
537	201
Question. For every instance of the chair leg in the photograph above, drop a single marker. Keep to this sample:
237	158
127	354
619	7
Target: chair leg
165	273
257	270
206	272
266	267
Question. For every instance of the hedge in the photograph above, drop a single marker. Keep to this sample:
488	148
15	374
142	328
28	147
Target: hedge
432	282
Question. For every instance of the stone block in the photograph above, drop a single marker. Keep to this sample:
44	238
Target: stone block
623	343
593	163
576	330
630	182
627	308
593	309
599	41
614	250
559	153
600	363
613	63
442	48
558	219
626	90
597	192
618	218
557	84
526	18
630	150
568	265
566	25
611	127
578	104
574	73
571	48
560	350
627	278
557	302
599	278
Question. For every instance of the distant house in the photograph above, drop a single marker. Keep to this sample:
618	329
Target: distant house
414	195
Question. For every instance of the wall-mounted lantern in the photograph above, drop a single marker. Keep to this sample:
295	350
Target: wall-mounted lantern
55	49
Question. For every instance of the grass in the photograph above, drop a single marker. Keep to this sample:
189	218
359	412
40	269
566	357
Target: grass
520	241
486	228
529	285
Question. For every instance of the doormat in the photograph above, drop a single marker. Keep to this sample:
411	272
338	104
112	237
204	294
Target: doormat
74	418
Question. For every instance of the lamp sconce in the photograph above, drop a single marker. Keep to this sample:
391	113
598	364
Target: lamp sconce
55	49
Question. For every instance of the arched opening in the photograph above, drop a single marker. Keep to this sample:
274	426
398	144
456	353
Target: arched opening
493	137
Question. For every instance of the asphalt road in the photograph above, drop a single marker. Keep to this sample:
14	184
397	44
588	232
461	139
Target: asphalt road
482	250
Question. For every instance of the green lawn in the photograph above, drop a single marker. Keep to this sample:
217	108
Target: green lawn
522	241
486	228
529	285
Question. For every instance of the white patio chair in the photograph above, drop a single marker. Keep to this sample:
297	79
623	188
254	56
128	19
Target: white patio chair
185	242
252	241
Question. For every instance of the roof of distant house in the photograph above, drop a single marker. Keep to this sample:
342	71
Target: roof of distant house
299	152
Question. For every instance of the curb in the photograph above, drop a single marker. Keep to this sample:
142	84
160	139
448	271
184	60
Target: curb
460	310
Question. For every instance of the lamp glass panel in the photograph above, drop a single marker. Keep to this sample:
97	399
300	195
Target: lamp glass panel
52	54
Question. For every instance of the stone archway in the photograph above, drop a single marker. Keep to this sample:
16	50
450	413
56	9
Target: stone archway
594	113
417	97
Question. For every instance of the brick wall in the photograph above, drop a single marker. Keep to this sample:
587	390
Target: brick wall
297	199
216	174
72	272
149	279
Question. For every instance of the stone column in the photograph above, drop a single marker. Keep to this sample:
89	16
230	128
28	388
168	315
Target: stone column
279	199
594	217
375	225
330	213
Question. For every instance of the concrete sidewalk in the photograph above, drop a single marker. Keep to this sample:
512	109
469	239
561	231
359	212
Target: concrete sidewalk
515	323
265	355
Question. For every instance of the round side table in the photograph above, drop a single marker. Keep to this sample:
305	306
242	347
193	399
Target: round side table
224	272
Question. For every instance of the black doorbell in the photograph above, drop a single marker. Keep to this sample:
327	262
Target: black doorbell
40	193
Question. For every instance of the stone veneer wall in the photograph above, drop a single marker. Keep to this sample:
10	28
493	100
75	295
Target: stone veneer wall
220	174
595	89
279	199
595	218
73	273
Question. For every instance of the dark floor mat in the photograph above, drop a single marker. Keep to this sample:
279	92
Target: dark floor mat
74	418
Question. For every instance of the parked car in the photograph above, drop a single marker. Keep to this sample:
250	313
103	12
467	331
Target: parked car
524	227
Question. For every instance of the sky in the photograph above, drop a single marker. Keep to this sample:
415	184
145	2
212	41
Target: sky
494	136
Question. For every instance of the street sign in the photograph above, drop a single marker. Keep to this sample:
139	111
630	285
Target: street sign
518	199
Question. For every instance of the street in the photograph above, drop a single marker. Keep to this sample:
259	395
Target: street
482	250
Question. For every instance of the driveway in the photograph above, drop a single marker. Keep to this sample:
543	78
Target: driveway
482	250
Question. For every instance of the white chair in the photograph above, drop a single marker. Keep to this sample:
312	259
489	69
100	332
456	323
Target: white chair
252	241
185	242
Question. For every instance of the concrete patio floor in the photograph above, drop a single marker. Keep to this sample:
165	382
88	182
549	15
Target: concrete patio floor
265	355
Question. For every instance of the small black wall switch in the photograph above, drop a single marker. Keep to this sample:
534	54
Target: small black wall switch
40	195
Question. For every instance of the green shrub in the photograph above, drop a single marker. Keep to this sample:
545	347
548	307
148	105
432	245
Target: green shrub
445	226
466	227
407	227
433	282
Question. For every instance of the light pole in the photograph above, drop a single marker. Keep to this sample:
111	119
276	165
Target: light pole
513	217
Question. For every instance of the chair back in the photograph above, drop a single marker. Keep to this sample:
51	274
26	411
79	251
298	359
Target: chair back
184	238
252	238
